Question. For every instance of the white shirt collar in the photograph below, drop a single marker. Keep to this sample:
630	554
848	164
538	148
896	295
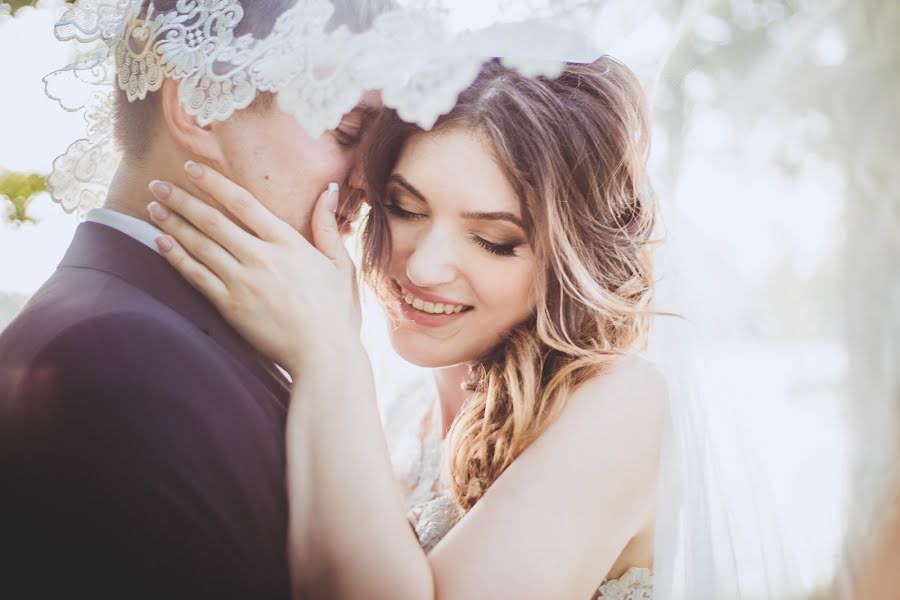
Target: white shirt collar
141	231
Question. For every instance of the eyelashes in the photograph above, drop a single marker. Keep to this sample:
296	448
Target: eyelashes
507	249
498	249
403	214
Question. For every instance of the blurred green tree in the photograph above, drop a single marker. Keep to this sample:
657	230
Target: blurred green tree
783	59
18	189
776	61
17	4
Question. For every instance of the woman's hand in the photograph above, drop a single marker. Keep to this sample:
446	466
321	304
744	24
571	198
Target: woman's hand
288	298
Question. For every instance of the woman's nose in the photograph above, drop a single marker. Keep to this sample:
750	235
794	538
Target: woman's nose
431	262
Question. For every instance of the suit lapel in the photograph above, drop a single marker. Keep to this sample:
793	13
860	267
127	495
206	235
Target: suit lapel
103	248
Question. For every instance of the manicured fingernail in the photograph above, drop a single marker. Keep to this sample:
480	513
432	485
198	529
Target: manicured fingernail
193	169
333	196
160	189
158	211
164	244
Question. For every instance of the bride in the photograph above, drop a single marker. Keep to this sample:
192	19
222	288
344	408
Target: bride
510	247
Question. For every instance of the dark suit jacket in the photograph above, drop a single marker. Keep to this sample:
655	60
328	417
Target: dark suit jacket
141	439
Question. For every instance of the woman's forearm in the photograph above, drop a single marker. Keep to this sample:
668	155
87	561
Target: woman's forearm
349	537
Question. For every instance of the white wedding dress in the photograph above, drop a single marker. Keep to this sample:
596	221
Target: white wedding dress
412	421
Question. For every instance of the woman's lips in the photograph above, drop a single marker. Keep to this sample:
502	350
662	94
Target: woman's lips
422	317
401	290
425	319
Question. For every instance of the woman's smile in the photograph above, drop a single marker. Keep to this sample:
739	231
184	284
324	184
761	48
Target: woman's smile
426	309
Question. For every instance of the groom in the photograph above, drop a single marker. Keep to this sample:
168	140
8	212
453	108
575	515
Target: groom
141	438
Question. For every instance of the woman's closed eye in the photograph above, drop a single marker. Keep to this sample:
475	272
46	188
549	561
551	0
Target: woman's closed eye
401	213
496	248
500	249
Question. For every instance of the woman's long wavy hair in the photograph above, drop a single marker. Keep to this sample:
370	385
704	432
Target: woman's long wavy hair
575	150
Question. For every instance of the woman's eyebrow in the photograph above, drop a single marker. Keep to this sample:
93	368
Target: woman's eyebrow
402	182
494	216
470	215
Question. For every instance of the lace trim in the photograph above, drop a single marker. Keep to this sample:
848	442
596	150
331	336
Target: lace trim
432	520
635	584
409	53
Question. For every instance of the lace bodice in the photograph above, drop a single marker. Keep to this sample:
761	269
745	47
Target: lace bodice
413	426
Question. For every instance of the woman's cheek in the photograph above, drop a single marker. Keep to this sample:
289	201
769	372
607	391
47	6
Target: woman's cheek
402	242
512	288
510	279
399	237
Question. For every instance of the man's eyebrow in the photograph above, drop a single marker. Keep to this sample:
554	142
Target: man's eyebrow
471	215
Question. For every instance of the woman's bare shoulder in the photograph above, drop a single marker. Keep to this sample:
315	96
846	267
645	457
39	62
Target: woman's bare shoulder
631	384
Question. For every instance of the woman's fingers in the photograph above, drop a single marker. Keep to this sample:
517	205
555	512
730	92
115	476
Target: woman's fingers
237	201
204	250
193	271
326	233
205	218
328	240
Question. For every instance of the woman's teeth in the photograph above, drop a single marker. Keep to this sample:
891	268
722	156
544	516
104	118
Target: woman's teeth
430	307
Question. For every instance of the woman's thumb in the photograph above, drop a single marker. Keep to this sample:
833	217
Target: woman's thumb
326	234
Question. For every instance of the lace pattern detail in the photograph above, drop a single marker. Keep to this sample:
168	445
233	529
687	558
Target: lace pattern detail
86	169
432	520
412	422
410	54
635	584
91	20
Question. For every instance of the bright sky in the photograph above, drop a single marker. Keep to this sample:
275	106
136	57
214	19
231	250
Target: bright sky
35	131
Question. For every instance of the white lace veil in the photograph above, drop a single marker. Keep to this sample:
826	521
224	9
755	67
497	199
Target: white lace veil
318	61
420	56
717	534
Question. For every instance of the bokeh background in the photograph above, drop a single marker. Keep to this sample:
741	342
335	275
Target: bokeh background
775	133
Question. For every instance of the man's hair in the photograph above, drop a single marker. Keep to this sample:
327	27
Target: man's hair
135	123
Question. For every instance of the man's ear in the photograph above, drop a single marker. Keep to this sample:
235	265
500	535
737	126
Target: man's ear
196	140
